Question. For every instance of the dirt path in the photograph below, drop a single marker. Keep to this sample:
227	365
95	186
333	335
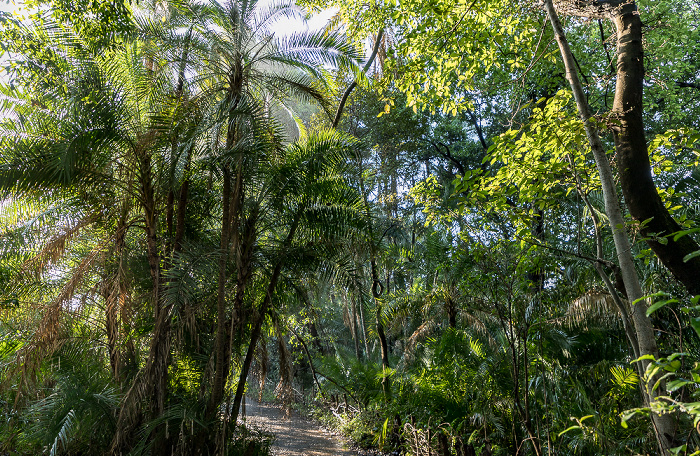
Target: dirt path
296	436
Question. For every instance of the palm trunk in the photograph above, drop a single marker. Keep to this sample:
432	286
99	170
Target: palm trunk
181	212
257	326
451	310
114	299
356	328
377	289
217	389
263	362
153	381
664	425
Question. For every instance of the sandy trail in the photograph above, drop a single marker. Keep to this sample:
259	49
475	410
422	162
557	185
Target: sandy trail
296	436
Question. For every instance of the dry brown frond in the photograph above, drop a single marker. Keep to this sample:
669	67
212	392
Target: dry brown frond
46	338
48	329
594	307
419	334
478	324
54	249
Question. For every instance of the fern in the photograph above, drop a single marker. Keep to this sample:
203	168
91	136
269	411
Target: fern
64	434
624	377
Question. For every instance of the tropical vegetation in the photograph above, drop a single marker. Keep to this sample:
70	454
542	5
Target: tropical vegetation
443	227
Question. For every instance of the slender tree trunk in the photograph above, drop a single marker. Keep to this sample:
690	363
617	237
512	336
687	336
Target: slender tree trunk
284	386
111	298
383	346
377	289
351	306
356	328
311	362
351	87
451	310
152	383
156	375
363	326
257	326
169	212
664	425
217	389
263	360
316	338
181	213
115	299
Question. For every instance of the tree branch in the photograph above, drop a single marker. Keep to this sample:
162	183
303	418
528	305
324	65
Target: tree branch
352	86
692	85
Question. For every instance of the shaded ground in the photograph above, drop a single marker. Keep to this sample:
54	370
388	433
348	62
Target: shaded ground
296	436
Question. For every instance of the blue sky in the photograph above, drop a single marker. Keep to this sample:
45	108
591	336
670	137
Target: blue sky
283	27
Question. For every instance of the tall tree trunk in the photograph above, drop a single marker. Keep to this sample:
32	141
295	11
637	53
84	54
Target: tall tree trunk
152	382
638	188
350	308
356	327
284	390
115	299
257	325
664	425
316	338
451	310
217	389
377	289
363	325
263	362
181	213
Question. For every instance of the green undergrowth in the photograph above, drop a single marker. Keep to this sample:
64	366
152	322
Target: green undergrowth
360	428
252	440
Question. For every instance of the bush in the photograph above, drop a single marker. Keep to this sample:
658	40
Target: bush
251	441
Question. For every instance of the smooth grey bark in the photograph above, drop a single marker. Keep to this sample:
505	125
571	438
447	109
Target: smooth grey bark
598	266
664	425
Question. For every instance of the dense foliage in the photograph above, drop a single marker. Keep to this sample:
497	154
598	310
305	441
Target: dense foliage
487	249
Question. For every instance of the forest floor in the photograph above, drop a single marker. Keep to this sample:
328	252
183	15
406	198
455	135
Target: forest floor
296	435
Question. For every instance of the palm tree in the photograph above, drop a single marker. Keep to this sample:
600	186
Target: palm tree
108	147
243	71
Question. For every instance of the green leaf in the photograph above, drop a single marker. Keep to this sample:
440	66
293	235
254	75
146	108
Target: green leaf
695	323
690	256
658	305
624	376
570	428
673	366
642	358
679	450
680	234
673	385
